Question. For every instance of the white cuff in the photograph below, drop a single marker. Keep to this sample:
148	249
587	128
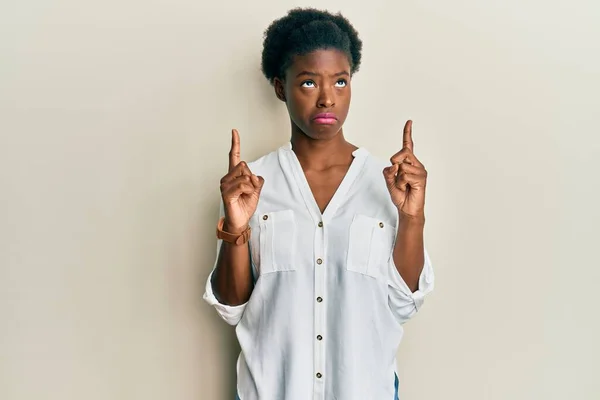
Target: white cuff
231	314
426	282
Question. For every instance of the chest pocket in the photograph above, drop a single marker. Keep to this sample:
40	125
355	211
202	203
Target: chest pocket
370	246
273	242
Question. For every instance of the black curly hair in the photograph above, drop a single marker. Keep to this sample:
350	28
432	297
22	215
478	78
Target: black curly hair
304	30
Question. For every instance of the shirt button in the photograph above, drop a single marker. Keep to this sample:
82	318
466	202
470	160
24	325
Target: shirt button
265	217
319	299
319	375
320	224
319	337
381	224
319	261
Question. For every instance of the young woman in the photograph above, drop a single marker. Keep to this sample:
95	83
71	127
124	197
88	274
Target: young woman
321	257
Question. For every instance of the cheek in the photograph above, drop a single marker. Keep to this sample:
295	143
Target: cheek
296	111
347	95
300	104
344	101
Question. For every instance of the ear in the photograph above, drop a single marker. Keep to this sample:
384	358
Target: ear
279	87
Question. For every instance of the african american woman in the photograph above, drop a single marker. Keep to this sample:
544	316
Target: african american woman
320	245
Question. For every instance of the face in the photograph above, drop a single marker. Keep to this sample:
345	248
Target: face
317	93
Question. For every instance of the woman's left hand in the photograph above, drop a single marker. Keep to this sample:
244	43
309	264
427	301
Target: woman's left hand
406	179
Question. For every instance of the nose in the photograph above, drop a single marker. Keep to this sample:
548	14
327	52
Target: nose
326	98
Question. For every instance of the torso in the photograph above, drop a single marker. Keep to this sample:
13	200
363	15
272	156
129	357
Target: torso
326	275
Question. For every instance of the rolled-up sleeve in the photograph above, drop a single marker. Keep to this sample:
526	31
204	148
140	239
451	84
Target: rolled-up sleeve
231	314
402	301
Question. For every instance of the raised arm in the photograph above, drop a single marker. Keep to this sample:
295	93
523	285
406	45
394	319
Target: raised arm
240	190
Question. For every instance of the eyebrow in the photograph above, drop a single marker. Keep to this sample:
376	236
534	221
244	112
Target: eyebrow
309	73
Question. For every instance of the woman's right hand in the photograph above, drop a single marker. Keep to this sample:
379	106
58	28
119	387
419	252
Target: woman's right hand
240	190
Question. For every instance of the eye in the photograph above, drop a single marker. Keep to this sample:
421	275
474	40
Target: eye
308	84
340	83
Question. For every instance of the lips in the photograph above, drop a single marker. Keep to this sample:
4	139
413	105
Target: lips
325	118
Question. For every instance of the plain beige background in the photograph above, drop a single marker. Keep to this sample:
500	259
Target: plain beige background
115	119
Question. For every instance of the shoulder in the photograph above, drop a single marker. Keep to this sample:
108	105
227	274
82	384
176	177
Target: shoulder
370	193
266	164
374	164
371	177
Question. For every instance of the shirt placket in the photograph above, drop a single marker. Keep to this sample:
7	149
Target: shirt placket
320	312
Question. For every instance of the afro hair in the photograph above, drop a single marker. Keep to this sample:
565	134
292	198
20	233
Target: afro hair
302	31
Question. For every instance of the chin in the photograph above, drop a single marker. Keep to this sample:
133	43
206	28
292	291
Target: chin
323	131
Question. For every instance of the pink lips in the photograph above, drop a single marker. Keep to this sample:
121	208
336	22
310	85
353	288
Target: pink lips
325	119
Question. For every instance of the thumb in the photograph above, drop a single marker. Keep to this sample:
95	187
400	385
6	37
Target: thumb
389	173
260	183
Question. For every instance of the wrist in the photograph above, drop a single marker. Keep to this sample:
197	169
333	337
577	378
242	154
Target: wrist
236	230
410	220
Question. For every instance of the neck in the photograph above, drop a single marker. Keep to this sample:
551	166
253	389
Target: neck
321	154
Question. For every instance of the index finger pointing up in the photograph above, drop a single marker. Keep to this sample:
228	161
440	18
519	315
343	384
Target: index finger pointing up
407	141
234	153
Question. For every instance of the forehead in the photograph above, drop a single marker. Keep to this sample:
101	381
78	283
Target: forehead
322	62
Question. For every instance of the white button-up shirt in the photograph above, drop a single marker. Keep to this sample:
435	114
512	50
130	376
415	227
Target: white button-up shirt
324	320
